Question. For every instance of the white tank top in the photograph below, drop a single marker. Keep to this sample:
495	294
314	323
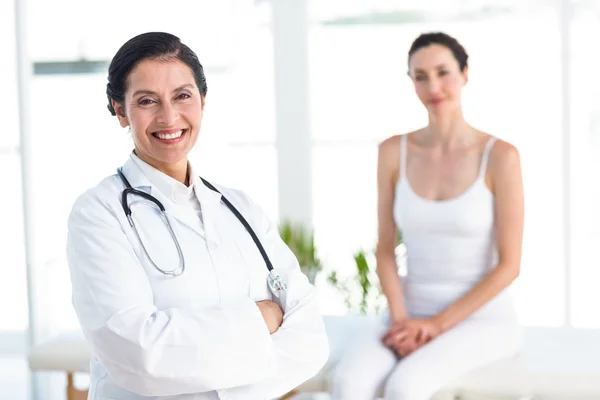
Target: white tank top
450	243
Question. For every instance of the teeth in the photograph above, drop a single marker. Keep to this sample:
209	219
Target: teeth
169	135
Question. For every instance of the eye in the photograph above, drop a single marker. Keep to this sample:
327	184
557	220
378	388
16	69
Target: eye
421	78
443	72
184	96
145	102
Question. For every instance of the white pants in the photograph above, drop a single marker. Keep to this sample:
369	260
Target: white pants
369	367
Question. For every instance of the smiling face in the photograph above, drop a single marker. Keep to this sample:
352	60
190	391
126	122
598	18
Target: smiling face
164	109
438	78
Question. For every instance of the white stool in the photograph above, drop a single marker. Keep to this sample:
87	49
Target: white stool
68	354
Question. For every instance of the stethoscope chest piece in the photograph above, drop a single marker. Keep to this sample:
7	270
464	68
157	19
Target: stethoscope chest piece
276	283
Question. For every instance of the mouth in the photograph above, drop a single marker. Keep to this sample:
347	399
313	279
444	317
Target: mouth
436	101
170	135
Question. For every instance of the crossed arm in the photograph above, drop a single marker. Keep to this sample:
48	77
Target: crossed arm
237	347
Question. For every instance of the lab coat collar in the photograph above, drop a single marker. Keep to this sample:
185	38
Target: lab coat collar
209	199
212	206
171	188
136	176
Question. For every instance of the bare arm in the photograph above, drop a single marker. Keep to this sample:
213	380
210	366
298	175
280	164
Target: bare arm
507	185
387	269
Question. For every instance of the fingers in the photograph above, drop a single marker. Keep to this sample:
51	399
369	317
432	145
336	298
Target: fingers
271	313
422	336
388	335
394	329
408	345
390	332
388	340
398	337
406	336
405	348
408	340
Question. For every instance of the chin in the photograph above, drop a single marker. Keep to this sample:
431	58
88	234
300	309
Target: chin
442	109
172	158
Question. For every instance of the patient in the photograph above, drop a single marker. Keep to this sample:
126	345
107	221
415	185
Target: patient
456	194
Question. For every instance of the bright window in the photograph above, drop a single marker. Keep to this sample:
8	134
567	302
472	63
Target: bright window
13	290
585	167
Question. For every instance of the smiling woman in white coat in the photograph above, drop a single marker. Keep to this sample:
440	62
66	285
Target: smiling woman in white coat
183	288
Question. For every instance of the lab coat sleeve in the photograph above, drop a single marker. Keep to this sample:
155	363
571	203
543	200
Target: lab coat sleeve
149	351
301	343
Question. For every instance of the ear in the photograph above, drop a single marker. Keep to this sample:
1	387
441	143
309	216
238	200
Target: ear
466	75
203	102
120	111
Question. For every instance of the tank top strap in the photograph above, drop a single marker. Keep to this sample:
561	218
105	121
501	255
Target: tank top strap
403	146
485	156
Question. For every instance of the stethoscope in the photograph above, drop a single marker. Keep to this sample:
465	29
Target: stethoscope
275	282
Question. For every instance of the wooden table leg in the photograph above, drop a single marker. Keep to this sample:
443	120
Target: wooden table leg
70	387
72	392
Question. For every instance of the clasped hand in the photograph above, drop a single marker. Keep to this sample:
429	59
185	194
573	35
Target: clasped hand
407	335
271	313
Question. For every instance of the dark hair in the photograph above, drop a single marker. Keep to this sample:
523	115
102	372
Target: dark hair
427	39
149	46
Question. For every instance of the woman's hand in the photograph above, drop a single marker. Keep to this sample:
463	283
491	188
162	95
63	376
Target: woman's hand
407	335
271	313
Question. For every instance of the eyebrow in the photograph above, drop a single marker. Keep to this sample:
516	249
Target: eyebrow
440	66
144	91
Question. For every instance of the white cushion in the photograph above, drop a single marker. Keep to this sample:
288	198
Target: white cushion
69	353
515	378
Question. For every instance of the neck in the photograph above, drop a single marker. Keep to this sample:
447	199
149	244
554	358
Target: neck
448	131
177	171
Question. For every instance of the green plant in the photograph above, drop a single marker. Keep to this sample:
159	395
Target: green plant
361	292
301	242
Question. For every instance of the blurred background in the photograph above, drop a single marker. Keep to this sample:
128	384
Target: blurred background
300	93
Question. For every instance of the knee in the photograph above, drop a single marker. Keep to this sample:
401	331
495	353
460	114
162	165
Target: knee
402	393
406	391
352	382
405	387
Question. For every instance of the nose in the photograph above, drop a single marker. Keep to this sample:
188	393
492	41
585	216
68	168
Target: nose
434	86
167	114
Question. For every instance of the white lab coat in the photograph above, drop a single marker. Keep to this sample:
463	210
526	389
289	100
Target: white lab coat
199	335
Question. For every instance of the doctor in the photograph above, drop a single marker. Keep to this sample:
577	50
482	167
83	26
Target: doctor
183	289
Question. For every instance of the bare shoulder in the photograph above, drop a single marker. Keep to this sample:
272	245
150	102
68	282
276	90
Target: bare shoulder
390	144
504	156
389	153
390	147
